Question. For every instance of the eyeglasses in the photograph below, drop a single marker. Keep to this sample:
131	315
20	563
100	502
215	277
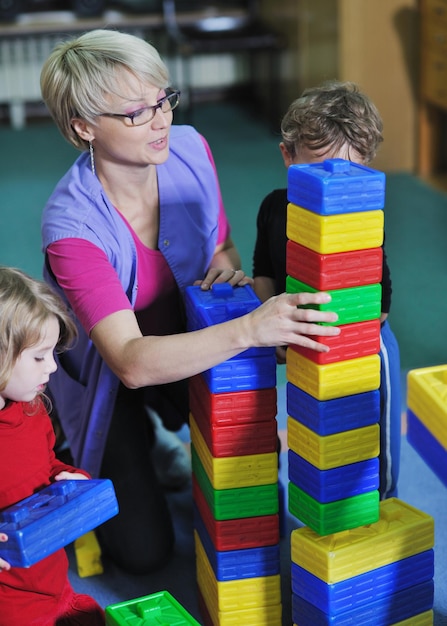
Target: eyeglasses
146	114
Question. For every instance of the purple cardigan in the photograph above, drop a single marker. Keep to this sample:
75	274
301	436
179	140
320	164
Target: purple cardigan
84	388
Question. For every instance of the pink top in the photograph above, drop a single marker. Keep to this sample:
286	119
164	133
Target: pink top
156	307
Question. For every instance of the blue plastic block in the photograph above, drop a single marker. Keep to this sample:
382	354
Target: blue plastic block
54	517
427	446
381	612
238	564
221	303
242	374
353	593
336	186
327	417
333	484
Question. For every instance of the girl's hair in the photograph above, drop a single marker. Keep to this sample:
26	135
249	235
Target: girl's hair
80	73
331	116
25	305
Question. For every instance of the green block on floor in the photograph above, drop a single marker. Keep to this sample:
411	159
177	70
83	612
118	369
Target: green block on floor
157	608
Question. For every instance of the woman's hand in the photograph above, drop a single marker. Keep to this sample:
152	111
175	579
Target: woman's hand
227	275
4	565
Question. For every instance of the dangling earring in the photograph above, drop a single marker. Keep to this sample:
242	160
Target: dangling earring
92	158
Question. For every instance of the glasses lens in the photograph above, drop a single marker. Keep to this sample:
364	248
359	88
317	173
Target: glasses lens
170	102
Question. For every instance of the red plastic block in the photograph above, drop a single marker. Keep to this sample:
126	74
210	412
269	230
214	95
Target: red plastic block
354	341
238	439
233	407
236	534
334	271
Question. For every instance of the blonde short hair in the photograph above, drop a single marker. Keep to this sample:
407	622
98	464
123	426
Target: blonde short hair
79	74
25	305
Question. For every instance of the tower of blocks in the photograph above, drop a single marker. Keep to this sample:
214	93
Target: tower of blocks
353	562
235	472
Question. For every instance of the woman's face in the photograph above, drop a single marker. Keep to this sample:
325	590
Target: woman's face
115	141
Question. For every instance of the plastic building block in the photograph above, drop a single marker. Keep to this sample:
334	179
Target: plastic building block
239	533
336	450
354	341
333	517
427	446
334	271
334	380
427	399
220	304
334	233
238	439
327	417
54	517
242	374
260	616
401	605
241	563
157	608
234	595
375	584
231	408
401	531
333	484
88	555
236	471
422	619
336	186
355	304
226	504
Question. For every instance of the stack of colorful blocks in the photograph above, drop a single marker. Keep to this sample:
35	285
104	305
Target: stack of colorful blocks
427	416
235	472
335	233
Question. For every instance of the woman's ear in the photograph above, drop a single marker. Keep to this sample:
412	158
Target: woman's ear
286	157
82	129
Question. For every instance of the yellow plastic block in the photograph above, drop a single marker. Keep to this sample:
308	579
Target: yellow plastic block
335	233
401	531
427	398
234	595
235	471
329	451
333	380
88	555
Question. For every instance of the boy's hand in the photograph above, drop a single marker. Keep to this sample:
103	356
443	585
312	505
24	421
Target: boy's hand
4	565
70	476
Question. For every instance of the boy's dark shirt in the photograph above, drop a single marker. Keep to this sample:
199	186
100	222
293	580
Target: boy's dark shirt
269	258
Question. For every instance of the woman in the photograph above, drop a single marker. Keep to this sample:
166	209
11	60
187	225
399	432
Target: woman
136	219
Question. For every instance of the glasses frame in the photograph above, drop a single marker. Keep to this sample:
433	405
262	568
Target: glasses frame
153	108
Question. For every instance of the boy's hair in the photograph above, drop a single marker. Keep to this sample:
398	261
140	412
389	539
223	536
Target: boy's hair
79	74
25	305
330	116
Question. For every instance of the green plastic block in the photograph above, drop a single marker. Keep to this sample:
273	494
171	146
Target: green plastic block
157	609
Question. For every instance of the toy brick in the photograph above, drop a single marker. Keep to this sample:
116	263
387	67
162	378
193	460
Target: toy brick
329	451
427	446
157	608
242	374
334	380
422	619
226	504
334	271
333	484
88	555
401	605
234	595
239	533
334	233
355	304
234	407
54	517
401	531
354	341
220	304
259	616
238	439
236	471
327	417
373	585
333	517
336	186
427	399
241	563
